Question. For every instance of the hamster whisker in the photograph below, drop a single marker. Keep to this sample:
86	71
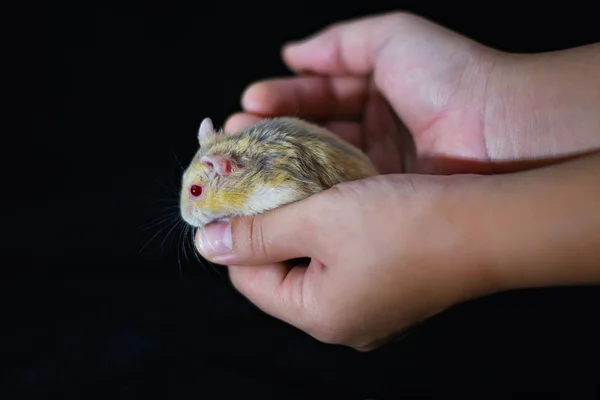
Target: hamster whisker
201	260
179	263
190	241
168	223
182	237
180	240
160	220
173	201
168	235
178	162
183	241
173	190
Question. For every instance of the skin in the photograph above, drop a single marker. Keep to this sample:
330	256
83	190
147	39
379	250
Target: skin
467	109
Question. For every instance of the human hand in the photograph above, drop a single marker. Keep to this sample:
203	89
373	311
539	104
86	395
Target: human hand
383	81
376	271
467	107
379	251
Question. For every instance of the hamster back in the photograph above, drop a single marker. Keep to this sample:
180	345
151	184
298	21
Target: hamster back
264	166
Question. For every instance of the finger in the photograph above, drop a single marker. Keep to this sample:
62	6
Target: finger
349	131
274	288
278	235
346	48
240	120
308	97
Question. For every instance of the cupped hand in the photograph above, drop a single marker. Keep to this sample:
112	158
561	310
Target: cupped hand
376	81
390	251
418	97
379	257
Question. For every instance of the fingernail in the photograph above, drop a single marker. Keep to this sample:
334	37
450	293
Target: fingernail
215	239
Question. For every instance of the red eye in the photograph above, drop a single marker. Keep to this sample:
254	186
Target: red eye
196	190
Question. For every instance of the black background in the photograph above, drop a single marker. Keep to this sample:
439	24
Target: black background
102	102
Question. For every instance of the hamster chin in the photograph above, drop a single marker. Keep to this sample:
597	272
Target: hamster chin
199	218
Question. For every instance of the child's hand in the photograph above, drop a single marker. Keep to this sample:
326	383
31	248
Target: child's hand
392	250
467	107
386	252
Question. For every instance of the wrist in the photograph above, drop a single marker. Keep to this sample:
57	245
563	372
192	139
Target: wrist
543	105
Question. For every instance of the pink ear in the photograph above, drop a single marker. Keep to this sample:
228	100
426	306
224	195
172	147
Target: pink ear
221	165
206	129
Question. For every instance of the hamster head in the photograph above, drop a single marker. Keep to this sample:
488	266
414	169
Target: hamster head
200	202
224	180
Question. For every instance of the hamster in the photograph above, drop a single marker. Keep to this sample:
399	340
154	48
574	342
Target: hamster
264	166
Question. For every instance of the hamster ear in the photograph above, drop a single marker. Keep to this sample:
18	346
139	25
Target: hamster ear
220	164
206	129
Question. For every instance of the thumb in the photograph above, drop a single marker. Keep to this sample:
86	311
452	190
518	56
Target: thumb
274	236
345	48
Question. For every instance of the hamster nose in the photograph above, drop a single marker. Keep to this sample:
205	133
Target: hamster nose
195	190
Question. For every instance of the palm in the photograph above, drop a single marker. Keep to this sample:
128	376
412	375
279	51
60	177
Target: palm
438	92
442	143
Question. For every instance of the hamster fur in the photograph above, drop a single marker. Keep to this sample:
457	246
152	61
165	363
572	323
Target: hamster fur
264	166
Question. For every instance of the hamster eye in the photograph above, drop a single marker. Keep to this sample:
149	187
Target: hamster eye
196	190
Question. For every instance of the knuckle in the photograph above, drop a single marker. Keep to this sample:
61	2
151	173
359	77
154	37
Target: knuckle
347	193
256	237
